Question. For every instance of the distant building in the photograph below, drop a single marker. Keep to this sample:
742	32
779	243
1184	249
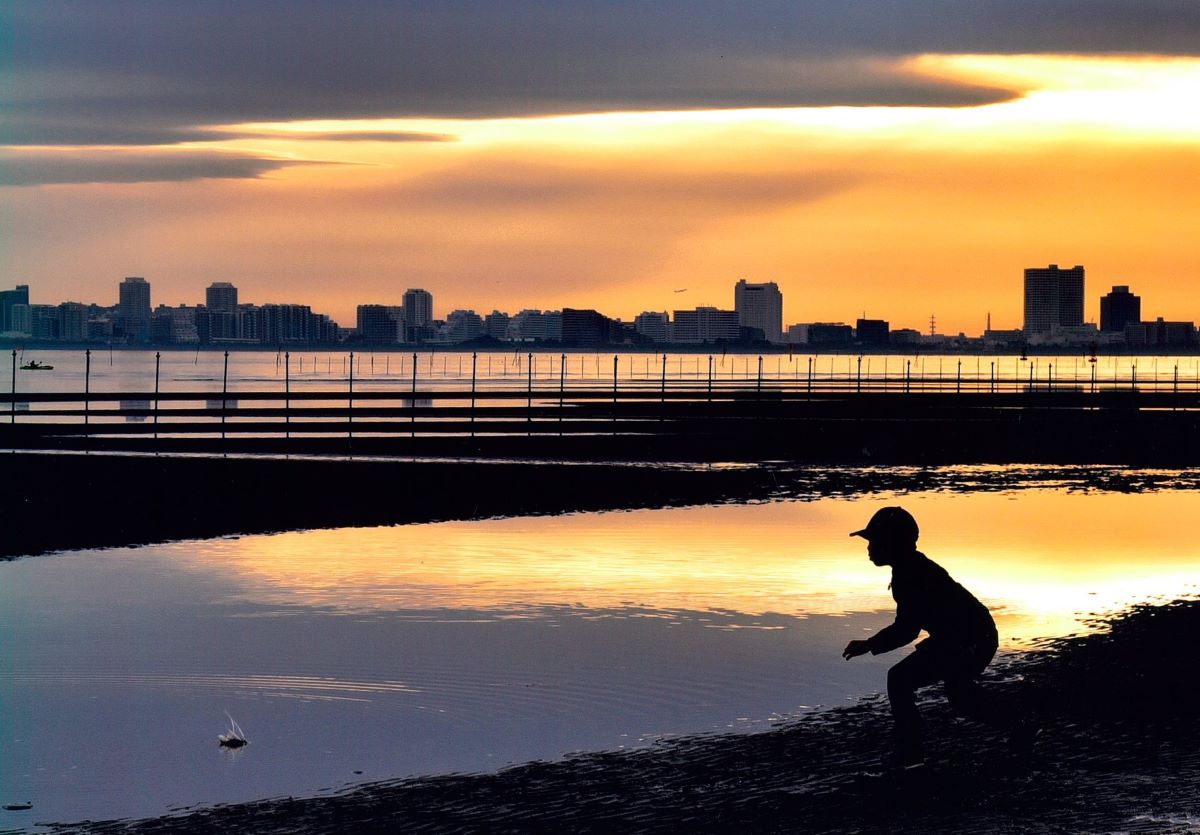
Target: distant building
821	333
133	309
463	326
535	326
43	322
653	326
176	325
221	297
1076	335
553	320
380	324
1053	297
224	323
905	336
872	332
8	300
20	320
585	328
418	307
706	324
1003	338
496	325
1160	333
760	306
1118	308
295	323
72	321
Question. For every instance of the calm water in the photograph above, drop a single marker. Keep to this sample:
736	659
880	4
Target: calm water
363	654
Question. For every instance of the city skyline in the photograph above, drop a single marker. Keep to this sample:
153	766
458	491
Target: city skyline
862	162
1053	300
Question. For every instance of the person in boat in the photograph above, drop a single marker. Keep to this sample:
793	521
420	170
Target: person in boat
962	639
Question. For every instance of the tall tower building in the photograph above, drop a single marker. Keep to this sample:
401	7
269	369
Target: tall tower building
418	307
1118	308
133	308
760	306
221	297
1053	297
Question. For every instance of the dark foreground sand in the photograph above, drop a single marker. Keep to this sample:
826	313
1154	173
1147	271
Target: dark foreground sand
1120	753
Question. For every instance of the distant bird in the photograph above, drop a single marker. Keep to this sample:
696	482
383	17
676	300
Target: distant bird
682	290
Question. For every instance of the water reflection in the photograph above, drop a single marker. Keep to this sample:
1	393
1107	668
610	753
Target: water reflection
464	646
139	405
1040	558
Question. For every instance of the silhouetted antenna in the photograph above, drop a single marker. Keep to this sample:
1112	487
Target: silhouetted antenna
989	322
932	325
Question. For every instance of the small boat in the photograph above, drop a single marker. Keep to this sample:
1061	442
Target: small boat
34	365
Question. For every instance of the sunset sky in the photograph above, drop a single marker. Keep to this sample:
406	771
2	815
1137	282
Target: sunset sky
893	159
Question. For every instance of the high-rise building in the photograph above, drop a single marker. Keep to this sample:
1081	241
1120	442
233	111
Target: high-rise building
653	325
463	326
585	328
706	324
418	307
221	297
1053	298
133	309
1118	308
73	321
496	323
380	324
760	306
8	300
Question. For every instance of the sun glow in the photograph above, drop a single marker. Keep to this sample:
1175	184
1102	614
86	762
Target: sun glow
1059	97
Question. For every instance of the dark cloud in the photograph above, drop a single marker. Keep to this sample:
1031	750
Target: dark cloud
33	168
126	71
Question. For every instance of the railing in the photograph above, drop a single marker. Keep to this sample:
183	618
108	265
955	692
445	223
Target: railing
467	415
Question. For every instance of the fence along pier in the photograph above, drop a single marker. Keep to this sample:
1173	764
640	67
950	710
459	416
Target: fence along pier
670	408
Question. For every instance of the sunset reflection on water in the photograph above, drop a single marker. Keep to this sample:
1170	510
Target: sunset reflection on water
1041	559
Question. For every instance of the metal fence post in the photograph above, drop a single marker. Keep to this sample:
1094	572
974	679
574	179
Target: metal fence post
12	409
562	382
287	394
224	391
529	390
350	400
157	364
87	383
474	360
412	404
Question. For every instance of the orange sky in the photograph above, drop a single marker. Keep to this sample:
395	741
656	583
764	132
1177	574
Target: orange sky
895	212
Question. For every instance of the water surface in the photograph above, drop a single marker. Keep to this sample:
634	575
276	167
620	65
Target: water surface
359	654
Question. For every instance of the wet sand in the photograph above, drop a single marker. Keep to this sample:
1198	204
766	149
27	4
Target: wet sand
1120	751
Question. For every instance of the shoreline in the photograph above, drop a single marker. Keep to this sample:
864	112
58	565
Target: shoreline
70	500
1118	752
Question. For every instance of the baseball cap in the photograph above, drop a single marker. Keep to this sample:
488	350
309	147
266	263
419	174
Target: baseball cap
894	523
